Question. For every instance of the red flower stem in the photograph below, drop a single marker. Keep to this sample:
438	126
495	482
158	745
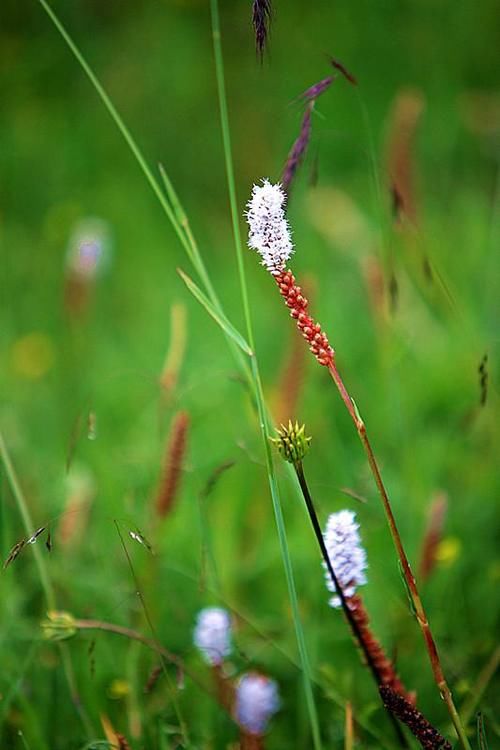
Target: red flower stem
251	741
325	355
409	577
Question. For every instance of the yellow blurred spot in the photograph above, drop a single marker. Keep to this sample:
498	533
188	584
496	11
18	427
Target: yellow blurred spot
32	355
462	687
119	689
494	570
448	550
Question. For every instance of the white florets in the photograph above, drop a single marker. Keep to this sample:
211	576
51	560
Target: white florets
212	634
346	554
269	232
257	700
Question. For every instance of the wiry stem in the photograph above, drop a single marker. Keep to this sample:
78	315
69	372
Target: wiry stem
409	577
44	579
351	619
325	355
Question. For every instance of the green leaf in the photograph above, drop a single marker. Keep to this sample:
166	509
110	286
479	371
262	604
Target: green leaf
218	316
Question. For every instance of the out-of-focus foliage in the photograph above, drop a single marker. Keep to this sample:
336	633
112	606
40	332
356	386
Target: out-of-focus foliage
86	413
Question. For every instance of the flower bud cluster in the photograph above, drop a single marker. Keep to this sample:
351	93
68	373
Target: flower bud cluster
292	442
311	331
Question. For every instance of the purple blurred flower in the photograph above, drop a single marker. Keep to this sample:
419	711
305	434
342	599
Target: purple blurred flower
298	149
212	634
316	89
257	700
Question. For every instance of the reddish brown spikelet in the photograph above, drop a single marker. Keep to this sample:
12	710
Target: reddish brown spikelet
172	471
224	687
383	665
404	121
251	742
298	149
292	377
122	742
342	69
433	534
77	294
310	330
425	733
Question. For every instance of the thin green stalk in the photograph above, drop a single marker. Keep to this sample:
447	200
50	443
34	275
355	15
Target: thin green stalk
470	705
186	238
149	620
273	484
131	143
28	523
44	579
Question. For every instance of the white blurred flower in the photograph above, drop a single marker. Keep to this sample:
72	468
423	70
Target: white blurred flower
257	700
89	248
346	554
212	634
269	232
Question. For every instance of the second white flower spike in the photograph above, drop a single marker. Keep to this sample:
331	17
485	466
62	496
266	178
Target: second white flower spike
347	555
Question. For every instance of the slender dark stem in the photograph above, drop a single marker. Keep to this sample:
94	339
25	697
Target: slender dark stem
313	517
407	572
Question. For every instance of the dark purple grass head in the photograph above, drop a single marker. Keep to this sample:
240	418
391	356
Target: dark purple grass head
261	19
316	89
298	149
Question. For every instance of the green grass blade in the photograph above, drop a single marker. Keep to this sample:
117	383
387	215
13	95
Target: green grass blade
218	316
481	734
259	395
48	589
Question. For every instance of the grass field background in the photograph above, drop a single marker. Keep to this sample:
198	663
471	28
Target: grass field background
412	366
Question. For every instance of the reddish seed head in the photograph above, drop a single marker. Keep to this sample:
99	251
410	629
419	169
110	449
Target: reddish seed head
311	331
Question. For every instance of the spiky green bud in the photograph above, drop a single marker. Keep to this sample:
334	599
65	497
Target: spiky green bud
292	442
59	625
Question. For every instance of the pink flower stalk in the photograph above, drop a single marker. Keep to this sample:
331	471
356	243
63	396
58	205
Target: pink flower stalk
270	236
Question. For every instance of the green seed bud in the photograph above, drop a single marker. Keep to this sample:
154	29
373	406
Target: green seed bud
58	626
292	442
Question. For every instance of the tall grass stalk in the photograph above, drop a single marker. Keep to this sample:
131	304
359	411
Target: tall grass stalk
420	614
186	238
149	620
264	425
45	581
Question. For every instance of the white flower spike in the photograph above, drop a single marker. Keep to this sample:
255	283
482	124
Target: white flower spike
257	700
346	554
269	232
212	634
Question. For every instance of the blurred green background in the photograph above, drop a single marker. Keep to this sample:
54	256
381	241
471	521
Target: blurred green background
83	411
